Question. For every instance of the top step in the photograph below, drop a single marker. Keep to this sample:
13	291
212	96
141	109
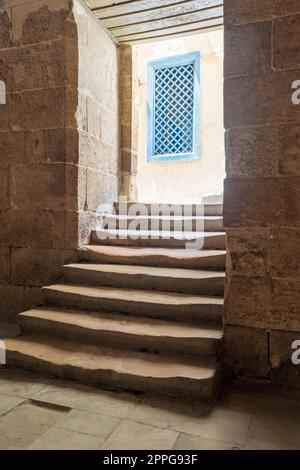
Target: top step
168	209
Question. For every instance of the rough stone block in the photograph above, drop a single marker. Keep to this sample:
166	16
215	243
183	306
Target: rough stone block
55	63
281	351
289	150
259	99
252	151
126	113
255	202
101	189
4	264
16	299
129	138
51	146
76	110
79	225
40	21
27	228
246	351
115	161
36	267
126	54
286	33
4	188
285	305
76	186
248	11
68	237
247	49
94	153
109	129
5	30
39	186
12	148
129	161
94	117
38	109
4	115
247	251
248	301
95	75
23	68
284	252
35	148
87	221
71	146
55	145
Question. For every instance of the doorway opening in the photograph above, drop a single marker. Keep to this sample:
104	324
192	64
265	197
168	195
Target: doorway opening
177	91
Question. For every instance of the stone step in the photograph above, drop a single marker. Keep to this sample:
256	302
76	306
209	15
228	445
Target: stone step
144	277
112	368
180	307
161	257
164	223
123	331
190	240
184	209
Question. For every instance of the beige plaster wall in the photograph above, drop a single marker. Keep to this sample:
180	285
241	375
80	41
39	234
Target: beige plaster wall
184	181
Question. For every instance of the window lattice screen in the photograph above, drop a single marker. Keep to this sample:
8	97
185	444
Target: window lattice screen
174	109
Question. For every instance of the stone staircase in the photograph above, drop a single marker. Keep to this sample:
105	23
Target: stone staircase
139	314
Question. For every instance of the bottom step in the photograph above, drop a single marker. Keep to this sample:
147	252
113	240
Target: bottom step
113	368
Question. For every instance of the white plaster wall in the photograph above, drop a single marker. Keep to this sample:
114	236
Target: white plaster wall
184	181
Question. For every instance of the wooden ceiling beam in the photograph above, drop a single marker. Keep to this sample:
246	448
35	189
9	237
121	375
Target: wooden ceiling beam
132	7
189	27
164	13
135	21
189	18
164	37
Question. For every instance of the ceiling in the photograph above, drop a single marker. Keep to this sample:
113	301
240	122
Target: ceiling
138	21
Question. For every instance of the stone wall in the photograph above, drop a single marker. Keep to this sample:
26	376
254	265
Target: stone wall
58	141
98	120
262	189
129	122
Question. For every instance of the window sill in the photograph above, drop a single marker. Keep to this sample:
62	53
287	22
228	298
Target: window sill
183	158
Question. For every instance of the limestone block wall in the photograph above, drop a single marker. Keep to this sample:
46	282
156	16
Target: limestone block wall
58	141
262	189
129	122
35	146
98	119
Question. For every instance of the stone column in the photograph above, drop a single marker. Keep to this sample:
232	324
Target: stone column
129	124
262	189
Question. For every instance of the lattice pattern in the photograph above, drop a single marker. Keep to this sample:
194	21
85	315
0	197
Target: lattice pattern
174	110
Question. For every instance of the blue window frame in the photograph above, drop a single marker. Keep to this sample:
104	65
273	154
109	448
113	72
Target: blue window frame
173	108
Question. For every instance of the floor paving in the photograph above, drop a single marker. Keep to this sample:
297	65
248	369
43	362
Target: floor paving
43	413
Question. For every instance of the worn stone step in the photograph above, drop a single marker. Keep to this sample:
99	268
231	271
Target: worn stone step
144	277
180	307
190	240
123	331
164	223
112	368
161	257
166	209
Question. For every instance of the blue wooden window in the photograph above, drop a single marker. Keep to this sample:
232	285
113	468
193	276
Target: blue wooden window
173	108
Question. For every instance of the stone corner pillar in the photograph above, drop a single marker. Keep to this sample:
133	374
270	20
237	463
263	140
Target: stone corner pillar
129	124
